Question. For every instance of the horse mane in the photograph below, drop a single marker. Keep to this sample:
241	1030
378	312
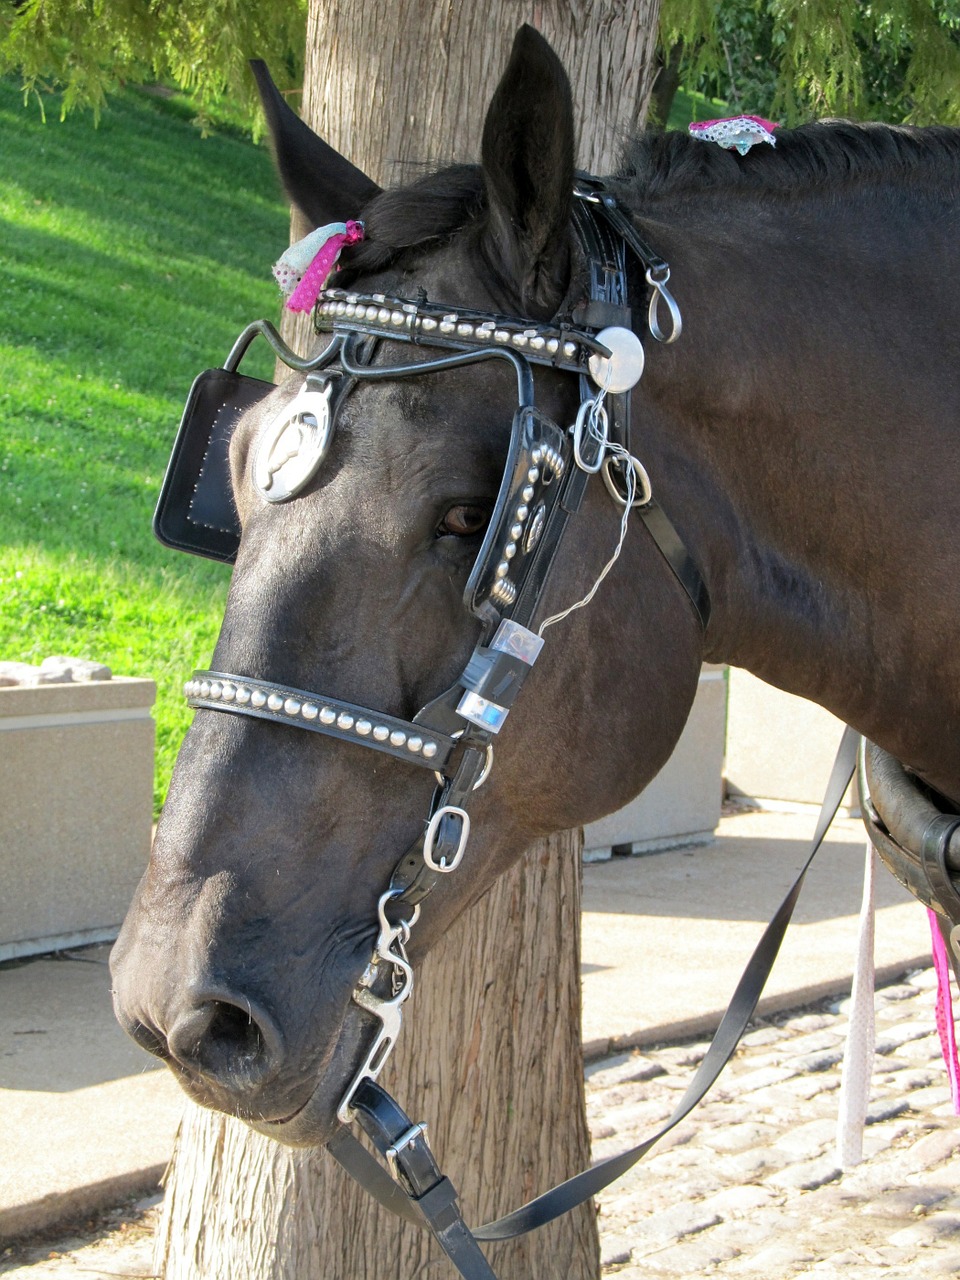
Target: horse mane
827	153
824	154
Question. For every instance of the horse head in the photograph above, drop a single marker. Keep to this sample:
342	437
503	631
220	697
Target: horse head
256	920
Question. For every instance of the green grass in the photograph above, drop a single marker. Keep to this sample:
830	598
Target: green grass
688	105
130	257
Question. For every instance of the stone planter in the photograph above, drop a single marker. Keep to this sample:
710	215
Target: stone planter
681	805
780	748
76	803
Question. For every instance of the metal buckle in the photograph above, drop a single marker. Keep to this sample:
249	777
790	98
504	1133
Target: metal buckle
643	489
429	839
415	1131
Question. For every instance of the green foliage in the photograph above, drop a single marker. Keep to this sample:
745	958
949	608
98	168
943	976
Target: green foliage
131	257
86	49
797	59
792	59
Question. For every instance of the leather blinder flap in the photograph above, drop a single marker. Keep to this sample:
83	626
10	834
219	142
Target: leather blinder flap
539	455
195	511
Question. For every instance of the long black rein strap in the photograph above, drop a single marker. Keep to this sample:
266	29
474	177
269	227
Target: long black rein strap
421	1194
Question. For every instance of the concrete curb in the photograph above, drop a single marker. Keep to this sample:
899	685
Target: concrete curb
705	1025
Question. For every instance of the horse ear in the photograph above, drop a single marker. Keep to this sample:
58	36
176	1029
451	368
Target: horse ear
319	181
527	157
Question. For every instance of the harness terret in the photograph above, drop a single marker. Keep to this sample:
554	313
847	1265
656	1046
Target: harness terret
545	476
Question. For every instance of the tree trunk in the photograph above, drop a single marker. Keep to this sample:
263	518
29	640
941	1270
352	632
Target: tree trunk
490	1054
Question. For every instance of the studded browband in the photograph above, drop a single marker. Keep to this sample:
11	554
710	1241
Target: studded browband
562	347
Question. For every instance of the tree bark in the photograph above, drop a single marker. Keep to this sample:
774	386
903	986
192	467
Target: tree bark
665	85
490	1054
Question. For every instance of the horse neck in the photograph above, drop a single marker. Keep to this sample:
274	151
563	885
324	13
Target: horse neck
783	432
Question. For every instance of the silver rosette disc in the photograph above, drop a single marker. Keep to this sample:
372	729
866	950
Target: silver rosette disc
294	444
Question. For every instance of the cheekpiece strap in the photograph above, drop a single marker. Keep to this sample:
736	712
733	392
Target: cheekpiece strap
402	739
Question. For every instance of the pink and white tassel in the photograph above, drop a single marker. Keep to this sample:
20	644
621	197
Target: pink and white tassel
302	271
945	1026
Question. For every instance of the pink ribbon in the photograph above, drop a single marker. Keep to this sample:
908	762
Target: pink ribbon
945	1027
304	296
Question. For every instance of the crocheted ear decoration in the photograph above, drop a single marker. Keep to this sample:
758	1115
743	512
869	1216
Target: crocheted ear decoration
302	271
738	133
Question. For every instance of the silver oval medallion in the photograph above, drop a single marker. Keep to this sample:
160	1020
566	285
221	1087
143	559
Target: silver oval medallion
292	447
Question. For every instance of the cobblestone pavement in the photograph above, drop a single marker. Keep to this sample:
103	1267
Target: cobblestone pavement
747	1186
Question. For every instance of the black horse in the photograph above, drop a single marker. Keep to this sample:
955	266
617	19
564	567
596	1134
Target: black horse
801	436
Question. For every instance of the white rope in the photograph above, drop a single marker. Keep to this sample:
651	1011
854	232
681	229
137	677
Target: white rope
617	451
861	1033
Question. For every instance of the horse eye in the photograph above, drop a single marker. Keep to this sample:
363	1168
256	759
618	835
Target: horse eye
465	520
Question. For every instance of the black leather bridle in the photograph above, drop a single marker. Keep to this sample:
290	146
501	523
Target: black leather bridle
545	478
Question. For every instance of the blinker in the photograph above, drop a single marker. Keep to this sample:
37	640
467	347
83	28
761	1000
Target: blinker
195	511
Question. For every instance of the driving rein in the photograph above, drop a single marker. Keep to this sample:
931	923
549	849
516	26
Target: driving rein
544	481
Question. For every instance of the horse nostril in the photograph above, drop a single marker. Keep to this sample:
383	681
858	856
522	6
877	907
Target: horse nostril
225	1041
147	1038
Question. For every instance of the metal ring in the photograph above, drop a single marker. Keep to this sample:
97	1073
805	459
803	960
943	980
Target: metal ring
659	286
484	772
644	489
487	766
430	836
600	415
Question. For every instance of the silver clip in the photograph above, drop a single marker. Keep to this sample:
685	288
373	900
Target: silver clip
642	488
591	424
658	283
388	1012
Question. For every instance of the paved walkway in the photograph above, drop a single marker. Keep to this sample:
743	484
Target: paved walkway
665	938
